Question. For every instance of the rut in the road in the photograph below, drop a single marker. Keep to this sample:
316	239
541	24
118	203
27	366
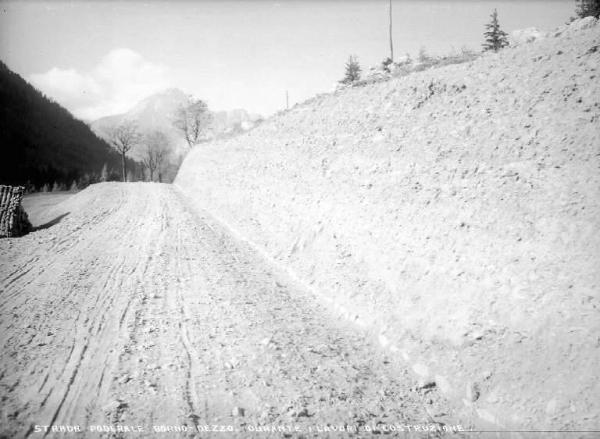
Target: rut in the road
137	310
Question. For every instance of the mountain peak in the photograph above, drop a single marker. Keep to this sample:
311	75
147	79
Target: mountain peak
156	112
164	101
172	92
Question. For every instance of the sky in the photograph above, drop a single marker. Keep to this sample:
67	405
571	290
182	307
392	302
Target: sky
98	58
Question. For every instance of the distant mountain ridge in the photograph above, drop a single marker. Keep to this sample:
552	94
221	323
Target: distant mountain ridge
156	112
42	143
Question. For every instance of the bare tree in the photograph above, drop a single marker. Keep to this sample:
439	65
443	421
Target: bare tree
391	41
192	120
155	153
123	137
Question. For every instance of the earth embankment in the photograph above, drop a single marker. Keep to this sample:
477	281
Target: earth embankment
454	212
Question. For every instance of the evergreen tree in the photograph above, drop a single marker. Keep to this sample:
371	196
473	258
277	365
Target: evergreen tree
588	8
58	187
495	38
104	173
352	70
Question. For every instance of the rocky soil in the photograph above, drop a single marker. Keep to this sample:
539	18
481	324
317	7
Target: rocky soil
135	311
454	213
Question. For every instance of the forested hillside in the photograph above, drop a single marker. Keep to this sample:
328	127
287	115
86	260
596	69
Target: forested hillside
42	143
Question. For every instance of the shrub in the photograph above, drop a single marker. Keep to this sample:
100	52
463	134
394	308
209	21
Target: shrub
386	63
588	8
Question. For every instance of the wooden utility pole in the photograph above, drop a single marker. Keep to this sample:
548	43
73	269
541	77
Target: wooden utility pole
391	42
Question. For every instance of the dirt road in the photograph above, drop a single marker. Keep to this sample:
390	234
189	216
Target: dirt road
135	312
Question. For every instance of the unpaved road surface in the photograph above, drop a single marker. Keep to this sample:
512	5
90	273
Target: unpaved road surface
135	310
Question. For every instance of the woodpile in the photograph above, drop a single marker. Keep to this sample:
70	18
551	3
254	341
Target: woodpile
13	218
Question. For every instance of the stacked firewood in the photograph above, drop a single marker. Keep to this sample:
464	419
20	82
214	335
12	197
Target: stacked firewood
13	218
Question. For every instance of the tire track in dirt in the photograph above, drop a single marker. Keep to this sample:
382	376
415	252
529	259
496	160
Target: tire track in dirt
155	315
91	327
283	324
89	332
159	333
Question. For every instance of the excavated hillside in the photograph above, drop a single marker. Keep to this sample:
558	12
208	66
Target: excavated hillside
453	212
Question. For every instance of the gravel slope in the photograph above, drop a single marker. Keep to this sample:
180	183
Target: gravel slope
454	211
135	310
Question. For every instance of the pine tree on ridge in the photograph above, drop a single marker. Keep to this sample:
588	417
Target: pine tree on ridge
495	38
353	70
